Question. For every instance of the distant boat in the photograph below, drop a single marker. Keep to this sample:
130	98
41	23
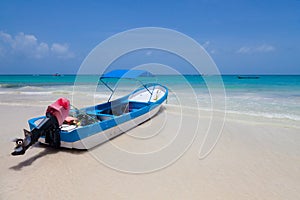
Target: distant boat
248	77
56	74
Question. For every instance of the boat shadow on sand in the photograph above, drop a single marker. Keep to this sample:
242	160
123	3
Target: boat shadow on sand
47	151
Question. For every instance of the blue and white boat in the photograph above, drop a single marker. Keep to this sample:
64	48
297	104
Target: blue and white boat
97	124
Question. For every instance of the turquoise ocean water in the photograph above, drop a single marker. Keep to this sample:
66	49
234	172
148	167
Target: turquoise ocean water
268	96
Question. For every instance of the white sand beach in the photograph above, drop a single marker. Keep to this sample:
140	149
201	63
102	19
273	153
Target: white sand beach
255	158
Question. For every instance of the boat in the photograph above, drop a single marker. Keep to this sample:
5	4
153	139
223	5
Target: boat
56	74
69	127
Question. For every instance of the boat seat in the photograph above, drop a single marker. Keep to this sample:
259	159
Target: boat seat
103	117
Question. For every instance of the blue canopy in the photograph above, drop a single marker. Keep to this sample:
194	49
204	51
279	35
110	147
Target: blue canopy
124	73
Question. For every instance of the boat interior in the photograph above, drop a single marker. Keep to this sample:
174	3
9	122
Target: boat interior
137	100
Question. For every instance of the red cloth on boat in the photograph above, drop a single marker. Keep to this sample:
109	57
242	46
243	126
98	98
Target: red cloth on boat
60	109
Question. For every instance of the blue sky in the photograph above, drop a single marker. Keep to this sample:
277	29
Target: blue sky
243	37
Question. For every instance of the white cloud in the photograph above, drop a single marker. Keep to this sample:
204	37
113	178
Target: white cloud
42	50
5	43
29	46
264	48
244	50
5	37
208	47
206	44
61	50
24	42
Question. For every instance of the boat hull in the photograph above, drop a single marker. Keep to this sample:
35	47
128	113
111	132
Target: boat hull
104	136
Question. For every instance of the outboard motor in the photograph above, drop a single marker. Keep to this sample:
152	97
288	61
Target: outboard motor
49	127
